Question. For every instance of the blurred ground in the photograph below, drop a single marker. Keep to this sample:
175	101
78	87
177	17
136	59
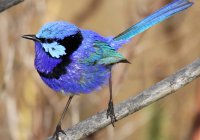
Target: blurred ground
29	110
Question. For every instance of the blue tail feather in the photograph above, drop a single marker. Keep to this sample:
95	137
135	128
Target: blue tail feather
167	11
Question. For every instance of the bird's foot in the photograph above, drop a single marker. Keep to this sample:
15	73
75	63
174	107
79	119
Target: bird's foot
111	113
58	130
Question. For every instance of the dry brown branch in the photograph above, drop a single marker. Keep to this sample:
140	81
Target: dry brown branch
5	4
159	90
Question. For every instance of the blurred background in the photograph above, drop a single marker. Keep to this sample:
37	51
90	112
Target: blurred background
29	110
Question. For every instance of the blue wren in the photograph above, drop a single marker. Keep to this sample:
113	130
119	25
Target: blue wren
75	61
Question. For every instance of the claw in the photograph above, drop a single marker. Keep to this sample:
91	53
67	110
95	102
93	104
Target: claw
58	130
111	113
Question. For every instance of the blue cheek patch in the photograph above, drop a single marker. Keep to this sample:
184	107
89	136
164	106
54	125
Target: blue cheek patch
54	49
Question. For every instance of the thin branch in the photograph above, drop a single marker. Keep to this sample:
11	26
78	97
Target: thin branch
5	4
161	89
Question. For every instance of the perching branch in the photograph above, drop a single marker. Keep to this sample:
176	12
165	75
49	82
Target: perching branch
161	89
5	4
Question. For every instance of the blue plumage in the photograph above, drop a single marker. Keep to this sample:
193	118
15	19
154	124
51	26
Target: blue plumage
55	52
73	61
165	12
59	30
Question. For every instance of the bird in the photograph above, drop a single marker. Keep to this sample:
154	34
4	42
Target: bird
74	61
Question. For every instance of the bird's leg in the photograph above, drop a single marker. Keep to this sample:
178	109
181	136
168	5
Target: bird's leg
110	110
58	127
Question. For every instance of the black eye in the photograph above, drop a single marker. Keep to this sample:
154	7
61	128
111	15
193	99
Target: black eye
49	41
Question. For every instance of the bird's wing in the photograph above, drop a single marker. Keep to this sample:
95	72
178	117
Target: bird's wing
165	12
104	54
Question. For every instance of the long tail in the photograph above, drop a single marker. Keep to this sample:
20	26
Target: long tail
165	12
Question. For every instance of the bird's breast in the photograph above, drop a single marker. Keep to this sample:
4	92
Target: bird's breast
79	79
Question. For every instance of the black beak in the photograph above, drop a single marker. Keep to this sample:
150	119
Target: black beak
31	37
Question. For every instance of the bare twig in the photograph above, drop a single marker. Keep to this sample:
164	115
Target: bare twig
5	4
133	104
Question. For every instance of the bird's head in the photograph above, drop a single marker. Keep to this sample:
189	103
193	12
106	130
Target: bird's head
57	39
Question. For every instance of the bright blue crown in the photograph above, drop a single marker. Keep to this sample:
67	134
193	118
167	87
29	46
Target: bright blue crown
57	30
